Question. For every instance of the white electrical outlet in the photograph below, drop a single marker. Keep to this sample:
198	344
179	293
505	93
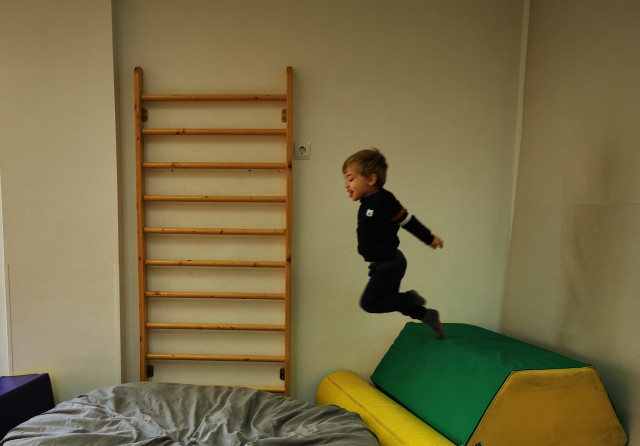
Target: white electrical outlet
302	151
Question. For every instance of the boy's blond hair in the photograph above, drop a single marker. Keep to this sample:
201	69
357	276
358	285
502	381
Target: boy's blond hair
367	162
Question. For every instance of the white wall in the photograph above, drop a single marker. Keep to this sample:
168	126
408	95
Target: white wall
5	328
573	281
58	165
433	84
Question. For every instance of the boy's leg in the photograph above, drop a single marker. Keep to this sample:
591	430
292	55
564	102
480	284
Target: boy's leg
432	319
382	293
429	316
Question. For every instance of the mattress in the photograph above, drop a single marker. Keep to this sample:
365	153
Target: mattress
159	414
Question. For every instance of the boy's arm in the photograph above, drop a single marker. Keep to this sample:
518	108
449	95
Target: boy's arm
413	225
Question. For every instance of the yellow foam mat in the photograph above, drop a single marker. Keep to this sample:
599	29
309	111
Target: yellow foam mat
392	424
550	407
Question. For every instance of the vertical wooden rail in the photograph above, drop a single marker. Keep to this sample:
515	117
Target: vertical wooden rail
289	149
142	277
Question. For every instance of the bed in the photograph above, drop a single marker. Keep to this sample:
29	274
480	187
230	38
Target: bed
164	414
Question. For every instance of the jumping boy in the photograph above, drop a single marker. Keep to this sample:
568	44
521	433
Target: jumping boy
379	217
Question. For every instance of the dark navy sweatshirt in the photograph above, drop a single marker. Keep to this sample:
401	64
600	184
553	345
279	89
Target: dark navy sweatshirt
379	217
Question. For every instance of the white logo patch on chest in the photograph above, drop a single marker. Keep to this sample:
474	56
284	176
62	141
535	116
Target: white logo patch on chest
369	213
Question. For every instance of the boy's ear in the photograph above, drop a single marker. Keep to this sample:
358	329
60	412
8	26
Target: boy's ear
372	179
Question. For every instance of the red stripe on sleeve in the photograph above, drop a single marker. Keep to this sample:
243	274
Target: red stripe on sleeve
399	216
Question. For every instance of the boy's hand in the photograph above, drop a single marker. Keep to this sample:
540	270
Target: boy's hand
437	243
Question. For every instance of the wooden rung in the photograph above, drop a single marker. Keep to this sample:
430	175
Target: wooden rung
229	132
204	165
205	295
214	97
214	231
190	326
217	199
220	263
192	357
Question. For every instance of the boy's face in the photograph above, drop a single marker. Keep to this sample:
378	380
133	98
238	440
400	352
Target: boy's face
359	186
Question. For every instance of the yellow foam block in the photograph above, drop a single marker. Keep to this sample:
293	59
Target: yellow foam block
392	423
550	407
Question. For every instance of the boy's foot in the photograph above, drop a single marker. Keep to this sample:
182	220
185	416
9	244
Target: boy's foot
432	319
418	299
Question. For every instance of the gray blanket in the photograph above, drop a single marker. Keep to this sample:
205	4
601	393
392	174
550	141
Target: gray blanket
155	414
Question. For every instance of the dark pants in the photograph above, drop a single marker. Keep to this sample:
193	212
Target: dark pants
382	293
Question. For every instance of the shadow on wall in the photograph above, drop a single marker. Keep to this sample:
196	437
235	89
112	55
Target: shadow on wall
597	257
